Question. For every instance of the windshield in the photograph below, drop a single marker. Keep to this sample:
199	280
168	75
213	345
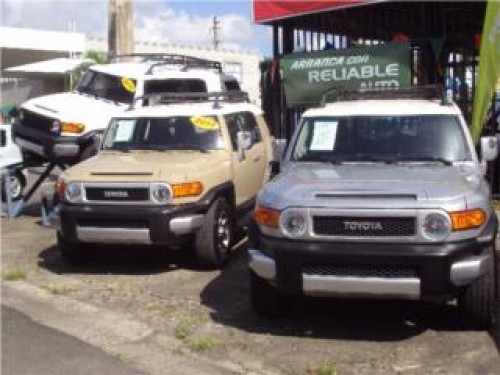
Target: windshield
170	133
381	138
107	86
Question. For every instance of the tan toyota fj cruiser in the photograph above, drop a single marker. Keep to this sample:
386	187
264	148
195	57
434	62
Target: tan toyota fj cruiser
185	166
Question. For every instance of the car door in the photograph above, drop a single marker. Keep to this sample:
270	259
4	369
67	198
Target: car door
248	171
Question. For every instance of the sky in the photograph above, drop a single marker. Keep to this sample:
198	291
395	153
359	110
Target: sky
184	22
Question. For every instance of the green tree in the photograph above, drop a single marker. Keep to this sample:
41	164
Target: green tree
90	58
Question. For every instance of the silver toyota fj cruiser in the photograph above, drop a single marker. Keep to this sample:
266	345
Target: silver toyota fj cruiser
380	194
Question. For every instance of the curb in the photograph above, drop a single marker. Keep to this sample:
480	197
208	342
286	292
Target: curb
116	333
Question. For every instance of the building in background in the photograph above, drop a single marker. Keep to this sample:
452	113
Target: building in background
28	46
40	61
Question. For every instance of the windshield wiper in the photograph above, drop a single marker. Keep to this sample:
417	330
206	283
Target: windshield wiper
190	147
120	148
318	159
368	159
424	159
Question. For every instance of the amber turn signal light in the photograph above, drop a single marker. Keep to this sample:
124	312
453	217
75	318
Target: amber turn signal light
71	127
59	188
469	219
266	216
187	189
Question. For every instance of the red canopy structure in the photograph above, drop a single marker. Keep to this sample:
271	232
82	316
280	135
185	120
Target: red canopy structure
442	38
265	11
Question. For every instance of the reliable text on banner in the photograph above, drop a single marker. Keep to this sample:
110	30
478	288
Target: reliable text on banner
489	67
308	75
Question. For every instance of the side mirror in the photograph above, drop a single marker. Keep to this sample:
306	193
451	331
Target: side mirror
244	142
274	169
14	112
489	148
279	146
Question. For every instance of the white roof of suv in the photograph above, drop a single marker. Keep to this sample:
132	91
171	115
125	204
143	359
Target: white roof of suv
384	107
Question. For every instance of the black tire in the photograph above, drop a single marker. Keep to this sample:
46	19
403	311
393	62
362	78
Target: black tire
477	302
214	239
74	253
266	300
17	185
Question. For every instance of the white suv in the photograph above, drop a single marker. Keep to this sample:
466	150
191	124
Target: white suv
10	158
66	127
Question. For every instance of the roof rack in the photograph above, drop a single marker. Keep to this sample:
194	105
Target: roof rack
412	92
159	59
192	97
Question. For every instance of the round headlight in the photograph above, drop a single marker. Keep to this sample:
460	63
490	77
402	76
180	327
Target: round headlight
293	223
161	193
436	227
55	127
73	192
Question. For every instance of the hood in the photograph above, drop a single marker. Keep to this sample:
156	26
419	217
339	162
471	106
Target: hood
366	185
95	113
149	166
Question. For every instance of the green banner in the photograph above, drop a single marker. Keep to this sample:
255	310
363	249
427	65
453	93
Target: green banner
307	76
489	68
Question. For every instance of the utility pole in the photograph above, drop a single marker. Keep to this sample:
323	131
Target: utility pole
120	27
215	29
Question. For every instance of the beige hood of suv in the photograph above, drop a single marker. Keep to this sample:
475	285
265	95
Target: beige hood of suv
151	166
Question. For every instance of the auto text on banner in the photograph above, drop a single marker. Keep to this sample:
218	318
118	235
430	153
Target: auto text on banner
307	76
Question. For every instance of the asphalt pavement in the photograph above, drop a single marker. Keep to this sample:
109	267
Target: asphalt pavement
31	348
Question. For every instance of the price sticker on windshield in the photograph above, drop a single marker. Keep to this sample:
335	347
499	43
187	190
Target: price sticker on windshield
128	84
205	123
325	133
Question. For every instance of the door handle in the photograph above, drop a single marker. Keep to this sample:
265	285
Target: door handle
256	158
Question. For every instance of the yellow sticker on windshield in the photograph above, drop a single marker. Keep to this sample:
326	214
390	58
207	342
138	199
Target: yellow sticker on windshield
205	123
128	84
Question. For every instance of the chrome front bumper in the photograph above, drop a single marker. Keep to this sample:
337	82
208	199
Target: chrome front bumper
462	272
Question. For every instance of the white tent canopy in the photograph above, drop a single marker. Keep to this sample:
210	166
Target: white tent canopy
53	67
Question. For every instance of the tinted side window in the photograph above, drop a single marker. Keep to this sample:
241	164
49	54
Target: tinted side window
242	121
174	85
250	125
233	127
232	85
3	138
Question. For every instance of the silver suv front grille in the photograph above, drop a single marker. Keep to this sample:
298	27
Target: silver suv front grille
360	270
37	121
345	226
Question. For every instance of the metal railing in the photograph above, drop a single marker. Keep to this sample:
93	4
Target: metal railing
191	97
161	59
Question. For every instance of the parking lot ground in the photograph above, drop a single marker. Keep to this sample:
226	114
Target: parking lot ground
56	354
208	314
